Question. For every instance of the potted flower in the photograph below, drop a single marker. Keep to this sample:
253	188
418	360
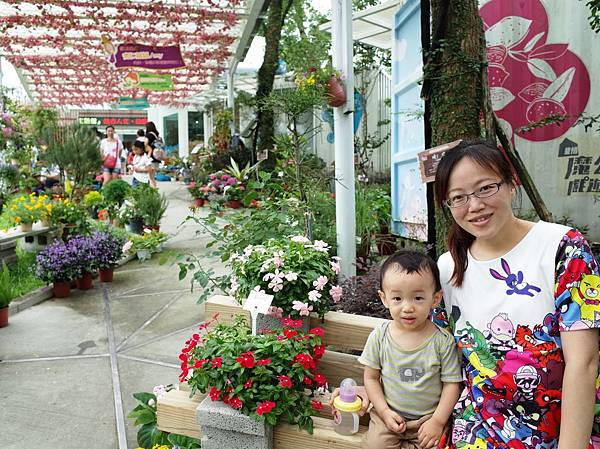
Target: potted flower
326	81
129	214
151	205
93	200
7	293
108	250
56	264
144	245
233	194
198	192
71	218
82	247
263	376
300	274
115	193
24	210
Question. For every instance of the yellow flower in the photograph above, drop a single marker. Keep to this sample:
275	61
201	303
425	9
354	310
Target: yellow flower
17	219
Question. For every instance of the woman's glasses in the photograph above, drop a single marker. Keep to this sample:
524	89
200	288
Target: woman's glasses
483	192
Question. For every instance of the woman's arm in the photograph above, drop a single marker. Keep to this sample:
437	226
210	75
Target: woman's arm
580	349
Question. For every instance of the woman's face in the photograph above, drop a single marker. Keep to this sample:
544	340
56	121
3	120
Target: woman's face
484	218
110	133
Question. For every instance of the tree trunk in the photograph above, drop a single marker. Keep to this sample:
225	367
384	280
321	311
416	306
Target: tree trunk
453	81
263	139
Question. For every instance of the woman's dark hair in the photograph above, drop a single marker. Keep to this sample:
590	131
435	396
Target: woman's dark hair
110	127
486	155
139	144
141	133
151	128
411	262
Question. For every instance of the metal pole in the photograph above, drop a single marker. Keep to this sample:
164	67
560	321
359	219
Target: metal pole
343	125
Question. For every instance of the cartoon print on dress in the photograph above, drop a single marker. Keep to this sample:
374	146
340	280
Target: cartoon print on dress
514	282
587	295
542	351
527	380
470	340
549	401
500	334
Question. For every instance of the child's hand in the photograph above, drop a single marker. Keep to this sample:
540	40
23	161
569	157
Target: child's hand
393	421
430	432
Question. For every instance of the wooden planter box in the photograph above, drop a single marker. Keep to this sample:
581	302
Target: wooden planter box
176	410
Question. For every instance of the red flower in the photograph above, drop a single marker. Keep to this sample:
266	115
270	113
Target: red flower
316	405
263	362
235	403
265	407
289	333
312	69
305	360
319	351
246	360
248	384
279	337
199	363
214	393
285	381
216	362
307	380
317	331
320	379
195	337
288	322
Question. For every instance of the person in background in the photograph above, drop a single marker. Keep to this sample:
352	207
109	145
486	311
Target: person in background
141	164
154	140
111	148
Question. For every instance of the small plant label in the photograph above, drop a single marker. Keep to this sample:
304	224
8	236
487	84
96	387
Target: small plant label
257	302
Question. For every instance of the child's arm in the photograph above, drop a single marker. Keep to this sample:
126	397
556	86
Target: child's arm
393	421
431	430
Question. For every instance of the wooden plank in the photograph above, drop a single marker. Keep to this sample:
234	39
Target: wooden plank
341	329
289	436
337	366
176	413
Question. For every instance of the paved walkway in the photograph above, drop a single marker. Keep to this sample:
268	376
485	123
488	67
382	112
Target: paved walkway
69	367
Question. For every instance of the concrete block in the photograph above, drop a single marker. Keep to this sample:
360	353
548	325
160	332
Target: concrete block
226	428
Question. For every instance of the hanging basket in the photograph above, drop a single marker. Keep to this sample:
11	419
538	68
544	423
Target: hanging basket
336	95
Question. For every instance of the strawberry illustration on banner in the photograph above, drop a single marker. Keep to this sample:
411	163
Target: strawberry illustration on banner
530	78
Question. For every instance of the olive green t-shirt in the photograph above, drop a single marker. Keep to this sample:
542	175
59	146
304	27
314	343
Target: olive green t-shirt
412	380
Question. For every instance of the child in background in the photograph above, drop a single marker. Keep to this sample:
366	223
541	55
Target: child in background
412	373
141	164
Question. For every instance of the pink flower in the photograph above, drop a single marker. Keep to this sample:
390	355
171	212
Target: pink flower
291	276
320	282
7	132
335	267
302	307
300	239
321	246
336	293
314	295
275	311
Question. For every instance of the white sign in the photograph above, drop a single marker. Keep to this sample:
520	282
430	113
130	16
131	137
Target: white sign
257	302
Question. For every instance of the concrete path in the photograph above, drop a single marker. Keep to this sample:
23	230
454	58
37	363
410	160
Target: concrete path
69	367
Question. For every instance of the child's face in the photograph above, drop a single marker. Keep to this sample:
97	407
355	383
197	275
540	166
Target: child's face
409	297
138	151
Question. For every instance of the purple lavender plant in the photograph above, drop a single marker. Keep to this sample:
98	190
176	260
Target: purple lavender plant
107	248
56	263
83	249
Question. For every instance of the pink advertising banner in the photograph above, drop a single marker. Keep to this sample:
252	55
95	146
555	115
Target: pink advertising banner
148	57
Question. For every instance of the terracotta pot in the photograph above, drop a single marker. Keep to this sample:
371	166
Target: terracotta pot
61	289
233	204
26	227
336	95
4	316
106	275
84	282
198	202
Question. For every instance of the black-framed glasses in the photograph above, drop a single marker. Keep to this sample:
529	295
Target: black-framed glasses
483	192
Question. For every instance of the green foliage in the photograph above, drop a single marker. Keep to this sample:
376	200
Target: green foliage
594	16
264	376
151	205
72	215
7	288
149	240
115	191
18	279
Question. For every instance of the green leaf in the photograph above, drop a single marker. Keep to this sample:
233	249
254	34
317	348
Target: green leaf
184	442
182	273
145	417
144	397
144	436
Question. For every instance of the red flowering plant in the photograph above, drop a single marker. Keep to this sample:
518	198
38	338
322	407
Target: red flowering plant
266	376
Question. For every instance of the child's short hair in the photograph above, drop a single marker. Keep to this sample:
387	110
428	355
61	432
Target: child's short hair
410	262
139	144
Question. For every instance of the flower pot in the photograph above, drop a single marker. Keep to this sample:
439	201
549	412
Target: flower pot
45	223
233	204
106	274
61	289
136	225
4	316
273	323
336	95
144	254
198	202
84	282
26	227
152	228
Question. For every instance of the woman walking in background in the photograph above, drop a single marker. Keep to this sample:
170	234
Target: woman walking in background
111	148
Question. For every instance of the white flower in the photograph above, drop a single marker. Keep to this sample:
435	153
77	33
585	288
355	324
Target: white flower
275	311
278	261
280	174
148	231
314	295
300	239
234	286
258	289
159	391
321	246
336	293
248	250
291	276
127	246
335	267
320	282
302	307
151	402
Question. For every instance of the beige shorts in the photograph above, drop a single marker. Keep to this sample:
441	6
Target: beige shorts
380	437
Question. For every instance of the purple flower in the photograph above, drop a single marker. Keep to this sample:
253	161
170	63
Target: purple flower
107	248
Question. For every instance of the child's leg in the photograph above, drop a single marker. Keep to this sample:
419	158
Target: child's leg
410	438
379	436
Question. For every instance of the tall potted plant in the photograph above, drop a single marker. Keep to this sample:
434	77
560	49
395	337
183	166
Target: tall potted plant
7	294
108	250
152	206
57	265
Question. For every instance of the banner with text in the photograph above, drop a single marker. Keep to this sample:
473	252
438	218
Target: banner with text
148	57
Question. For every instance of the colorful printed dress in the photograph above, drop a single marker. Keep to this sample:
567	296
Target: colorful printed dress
507	318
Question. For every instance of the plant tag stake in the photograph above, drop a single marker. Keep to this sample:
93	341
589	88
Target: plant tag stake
257	302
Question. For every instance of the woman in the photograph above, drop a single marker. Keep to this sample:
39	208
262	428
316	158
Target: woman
523	303
153	140
111	148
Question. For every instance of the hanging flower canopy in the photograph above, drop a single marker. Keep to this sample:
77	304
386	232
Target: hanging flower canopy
66	49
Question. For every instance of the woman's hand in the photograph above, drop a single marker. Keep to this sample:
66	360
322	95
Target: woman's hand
361	391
